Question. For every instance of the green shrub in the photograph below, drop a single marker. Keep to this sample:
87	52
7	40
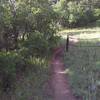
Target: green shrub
32	84
84	69
9	63
73	14
97	13
98	22
38	45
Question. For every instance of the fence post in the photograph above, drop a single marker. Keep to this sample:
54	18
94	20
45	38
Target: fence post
67	43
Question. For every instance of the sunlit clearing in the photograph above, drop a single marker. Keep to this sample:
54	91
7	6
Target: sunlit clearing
80	30
86	33
88	36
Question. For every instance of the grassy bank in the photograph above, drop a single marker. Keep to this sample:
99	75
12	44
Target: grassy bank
29	84
82	62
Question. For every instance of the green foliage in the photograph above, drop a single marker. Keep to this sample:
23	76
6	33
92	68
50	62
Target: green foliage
23	17
38	45
33	82
97	13
74	14
98	22
10	62
27	37
84	70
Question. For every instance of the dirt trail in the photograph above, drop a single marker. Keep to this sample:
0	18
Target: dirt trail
59	80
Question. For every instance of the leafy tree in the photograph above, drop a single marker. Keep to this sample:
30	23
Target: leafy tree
27	29
75	13
20	18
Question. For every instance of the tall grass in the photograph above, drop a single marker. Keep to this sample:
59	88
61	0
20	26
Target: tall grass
31	86
83	62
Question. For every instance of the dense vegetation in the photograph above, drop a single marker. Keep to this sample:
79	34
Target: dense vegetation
83	64
76	13
27	37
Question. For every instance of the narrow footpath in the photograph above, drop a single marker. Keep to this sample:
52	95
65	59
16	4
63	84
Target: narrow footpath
59	80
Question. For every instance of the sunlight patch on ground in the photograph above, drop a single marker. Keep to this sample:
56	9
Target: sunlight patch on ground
88	36
86	33
80	30
64	72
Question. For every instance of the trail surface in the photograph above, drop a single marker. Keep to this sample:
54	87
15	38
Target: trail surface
59	80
